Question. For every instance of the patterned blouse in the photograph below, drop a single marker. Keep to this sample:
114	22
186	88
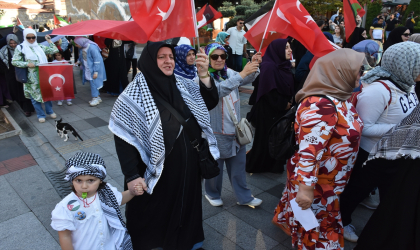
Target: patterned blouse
328	140
31	88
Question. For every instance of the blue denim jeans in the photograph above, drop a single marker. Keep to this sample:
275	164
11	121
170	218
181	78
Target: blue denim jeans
40	111
94	91
387	34
237	62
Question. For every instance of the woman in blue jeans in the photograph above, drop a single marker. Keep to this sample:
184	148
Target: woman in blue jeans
93	67
29	55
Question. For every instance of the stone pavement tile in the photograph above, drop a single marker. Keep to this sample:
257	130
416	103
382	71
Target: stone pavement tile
269	202
85	114
33	187
113	168
96	122
120	180
105	129
11	205
97	112
280	178
260	181
115	184
240	232
12	147
73	108
107	108
81	125
26	232
92	133
19	163
70	154
284	245
69	117
209	210
277	190
226	184
106	118
349	245
57	141
215	241
97	150
259	219
109	146
43	213
228	198
3	169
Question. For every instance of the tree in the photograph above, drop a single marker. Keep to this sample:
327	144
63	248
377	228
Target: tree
373	9
413	6
227	10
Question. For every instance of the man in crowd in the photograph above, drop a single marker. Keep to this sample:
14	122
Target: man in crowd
411	20
237	42
390	25
377	31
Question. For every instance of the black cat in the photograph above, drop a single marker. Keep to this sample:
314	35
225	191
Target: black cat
62	129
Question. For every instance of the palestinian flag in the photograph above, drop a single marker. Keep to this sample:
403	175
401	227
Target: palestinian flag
206	15
60	21
257	16
351	9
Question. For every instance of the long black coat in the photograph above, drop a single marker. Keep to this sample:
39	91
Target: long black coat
115	68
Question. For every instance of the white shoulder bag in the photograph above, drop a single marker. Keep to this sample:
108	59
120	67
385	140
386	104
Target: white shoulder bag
243	130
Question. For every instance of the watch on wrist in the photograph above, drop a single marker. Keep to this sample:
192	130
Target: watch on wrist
207	75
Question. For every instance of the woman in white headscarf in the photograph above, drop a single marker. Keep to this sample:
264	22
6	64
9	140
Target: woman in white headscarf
29	55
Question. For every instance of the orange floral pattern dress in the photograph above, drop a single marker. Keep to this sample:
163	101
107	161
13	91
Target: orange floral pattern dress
328	146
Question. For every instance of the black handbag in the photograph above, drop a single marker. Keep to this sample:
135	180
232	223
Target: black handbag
209	167
21	73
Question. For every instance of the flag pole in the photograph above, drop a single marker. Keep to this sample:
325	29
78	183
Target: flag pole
195	25
266	27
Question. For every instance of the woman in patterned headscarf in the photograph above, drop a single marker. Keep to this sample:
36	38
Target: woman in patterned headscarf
387	97
185	61
231	152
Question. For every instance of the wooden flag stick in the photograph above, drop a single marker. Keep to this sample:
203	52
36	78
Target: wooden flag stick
266	27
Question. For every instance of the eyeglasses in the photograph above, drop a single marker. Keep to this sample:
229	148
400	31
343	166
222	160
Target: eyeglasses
241	23
407	34
216	56
30	37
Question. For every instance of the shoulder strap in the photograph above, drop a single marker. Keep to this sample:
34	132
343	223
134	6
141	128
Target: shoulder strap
21	51
390	93
232	115
193	140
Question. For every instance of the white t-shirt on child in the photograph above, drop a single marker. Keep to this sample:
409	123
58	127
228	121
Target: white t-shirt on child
90	229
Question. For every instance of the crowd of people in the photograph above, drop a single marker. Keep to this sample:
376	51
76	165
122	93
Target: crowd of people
356	116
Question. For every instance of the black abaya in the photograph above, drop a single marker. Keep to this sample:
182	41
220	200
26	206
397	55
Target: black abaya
115	68
264	113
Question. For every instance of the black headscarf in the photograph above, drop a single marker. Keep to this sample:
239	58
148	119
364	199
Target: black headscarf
164	86
275	70
394	37
356	37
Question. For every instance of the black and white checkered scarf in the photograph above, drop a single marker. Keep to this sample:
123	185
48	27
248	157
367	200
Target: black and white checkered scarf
402	140
85	163
136	120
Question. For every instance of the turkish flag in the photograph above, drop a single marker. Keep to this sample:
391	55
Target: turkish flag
206	15
290	18
56	81
351	9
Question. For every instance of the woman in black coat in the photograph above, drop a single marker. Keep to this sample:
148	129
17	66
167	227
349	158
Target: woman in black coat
115	68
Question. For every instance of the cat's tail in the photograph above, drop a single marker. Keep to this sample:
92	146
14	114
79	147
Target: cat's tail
76	134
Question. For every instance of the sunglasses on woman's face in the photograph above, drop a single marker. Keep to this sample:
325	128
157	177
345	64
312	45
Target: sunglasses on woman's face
406	34
216	56
30	37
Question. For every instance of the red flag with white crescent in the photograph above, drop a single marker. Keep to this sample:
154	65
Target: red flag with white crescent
56	81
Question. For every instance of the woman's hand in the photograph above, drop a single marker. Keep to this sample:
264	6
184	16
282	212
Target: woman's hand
257	57
305	196
202	63
249	68
48	38
95	75
137	186
31	65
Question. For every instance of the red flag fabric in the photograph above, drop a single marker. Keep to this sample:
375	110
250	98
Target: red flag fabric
206	15
56	21
56	81
351	9
19	22
290	18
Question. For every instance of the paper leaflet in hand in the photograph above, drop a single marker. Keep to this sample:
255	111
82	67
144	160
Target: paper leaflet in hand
305	217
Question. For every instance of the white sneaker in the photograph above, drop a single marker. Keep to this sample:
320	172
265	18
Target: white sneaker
99	98
214	203
69	103
53	115
349	233
369	203
94	102
41	120
59	103
254	203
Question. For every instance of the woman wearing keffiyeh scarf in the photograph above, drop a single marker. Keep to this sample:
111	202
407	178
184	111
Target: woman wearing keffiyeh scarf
234	155
90	216
184	61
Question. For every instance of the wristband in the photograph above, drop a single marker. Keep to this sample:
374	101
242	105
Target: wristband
207	75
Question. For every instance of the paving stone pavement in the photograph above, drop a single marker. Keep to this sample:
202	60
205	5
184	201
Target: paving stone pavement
27	196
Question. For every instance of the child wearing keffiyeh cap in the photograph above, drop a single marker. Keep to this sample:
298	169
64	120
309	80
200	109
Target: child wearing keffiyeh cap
90	216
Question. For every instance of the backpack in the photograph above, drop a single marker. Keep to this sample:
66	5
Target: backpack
353	98
281	136
130	52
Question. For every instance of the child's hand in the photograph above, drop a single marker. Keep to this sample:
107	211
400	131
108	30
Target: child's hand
138	188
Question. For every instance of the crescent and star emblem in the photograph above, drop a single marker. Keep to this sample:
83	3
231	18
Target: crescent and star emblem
56	75
281	15
298	5
165	15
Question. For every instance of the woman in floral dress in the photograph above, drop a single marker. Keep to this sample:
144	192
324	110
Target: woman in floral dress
328	131
34	55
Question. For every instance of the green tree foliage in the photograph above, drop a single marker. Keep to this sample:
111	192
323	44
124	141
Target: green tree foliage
318	8
373	9
413	6
227	10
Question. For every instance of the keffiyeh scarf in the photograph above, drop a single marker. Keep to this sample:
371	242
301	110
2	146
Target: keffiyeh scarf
136	120
85	163
181	66
402	140
400	63
216	74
